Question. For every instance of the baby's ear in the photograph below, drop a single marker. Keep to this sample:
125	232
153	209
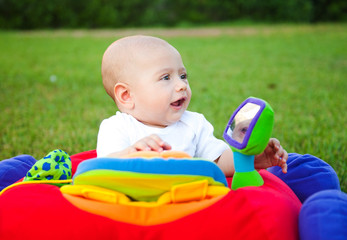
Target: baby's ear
122	96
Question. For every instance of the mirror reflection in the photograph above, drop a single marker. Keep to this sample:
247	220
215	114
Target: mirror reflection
241	121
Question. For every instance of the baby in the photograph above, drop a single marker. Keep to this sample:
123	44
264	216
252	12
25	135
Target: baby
147	80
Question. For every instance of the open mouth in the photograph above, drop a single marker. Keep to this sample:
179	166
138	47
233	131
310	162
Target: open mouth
178	103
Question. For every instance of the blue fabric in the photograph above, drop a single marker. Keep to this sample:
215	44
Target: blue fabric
155	166
13	169
307	175
324	216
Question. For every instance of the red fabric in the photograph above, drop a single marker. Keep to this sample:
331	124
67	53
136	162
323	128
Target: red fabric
39	210
80	157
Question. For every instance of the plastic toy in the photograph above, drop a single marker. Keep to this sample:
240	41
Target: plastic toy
248	132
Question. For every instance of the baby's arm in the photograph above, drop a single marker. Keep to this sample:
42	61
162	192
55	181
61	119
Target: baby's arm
149	143
226	163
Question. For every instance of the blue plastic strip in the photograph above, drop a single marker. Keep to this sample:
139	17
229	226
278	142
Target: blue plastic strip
155	166
243	163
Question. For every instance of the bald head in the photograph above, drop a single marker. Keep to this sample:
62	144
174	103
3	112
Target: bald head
122	54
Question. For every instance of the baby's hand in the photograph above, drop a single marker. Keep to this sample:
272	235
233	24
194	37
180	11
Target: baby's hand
273	155
150	143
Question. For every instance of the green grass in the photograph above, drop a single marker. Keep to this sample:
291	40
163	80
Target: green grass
300	70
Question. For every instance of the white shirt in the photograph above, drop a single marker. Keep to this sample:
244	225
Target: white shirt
192	134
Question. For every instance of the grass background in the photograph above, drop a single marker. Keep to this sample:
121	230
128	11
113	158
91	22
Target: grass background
52	94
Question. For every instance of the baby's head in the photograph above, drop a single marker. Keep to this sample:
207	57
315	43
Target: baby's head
146	78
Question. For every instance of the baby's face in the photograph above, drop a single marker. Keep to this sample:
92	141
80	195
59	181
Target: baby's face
159	86
240	130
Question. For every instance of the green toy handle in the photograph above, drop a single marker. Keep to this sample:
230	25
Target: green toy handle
245	175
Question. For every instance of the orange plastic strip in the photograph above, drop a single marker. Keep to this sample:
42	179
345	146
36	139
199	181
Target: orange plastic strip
153	154
143	216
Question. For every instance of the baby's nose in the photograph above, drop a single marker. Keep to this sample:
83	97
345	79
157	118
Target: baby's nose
181	85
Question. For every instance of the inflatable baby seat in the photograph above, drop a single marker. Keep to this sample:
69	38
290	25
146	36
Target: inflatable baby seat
152	196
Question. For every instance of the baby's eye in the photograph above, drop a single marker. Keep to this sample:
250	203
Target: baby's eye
166	77
244	130
184	76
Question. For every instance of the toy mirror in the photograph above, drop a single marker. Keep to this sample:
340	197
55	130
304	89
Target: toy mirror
248	132
240	124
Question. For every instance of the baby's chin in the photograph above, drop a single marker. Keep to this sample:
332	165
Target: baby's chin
161	124
154	124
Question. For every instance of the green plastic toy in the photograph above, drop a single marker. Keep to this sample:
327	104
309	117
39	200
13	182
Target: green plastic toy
248	132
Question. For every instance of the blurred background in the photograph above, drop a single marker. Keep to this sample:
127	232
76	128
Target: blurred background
35	14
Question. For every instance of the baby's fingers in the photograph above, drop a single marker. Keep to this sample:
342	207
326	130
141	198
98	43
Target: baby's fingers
151	143
166	146
142	146
158	144
274	144
282	156
284	168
